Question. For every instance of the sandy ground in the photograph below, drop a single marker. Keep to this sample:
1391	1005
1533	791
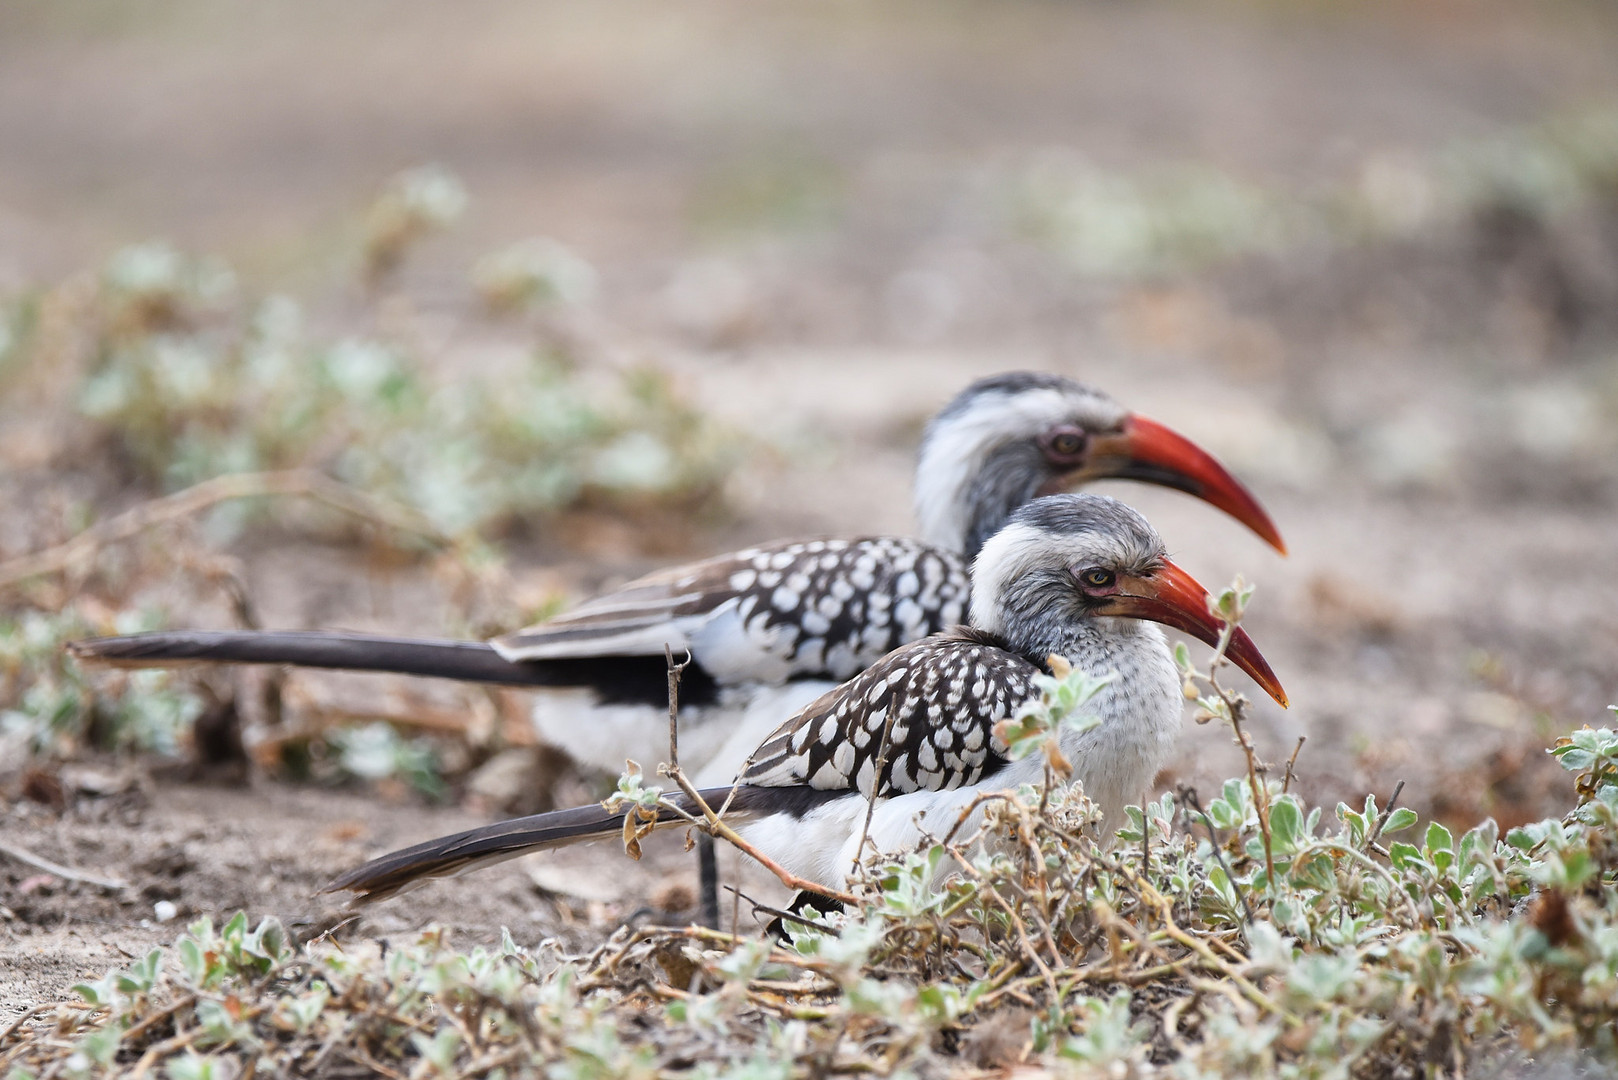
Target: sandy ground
1429	419
212	849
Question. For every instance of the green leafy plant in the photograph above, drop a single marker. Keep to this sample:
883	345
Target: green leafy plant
184	402
48	706
377	752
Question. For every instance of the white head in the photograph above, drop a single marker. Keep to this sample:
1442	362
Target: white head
1068	567
1001	442
1010	438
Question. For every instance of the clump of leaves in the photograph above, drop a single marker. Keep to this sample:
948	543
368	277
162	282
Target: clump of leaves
472	456
47	706
416	203
376	751
534	274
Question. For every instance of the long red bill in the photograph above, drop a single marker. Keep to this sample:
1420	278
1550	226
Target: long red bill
1146	450
1172	597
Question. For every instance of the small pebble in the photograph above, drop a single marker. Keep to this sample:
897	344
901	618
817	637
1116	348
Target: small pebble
164	910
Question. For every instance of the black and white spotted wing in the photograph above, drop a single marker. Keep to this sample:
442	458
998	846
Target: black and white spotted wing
813	608
935	703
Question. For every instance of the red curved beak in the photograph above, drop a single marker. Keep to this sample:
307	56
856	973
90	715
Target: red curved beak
1146	450
1172	597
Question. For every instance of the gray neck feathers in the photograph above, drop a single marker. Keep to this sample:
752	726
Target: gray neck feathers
1010	477
1037	616
959	508
1139	710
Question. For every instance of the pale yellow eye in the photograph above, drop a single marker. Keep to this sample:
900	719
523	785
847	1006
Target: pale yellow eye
1098	578
1067	443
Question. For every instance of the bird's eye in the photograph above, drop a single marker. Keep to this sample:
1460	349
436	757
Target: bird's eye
1098	577
1066	443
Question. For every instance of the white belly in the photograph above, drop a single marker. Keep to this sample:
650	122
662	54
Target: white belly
754	720
715	740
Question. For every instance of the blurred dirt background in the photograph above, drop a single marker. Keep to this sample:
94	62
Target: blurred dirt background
1350	247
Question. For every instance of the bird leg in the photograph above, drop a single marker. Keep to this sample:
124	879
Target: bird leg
709	820
708	880
707	857
715	826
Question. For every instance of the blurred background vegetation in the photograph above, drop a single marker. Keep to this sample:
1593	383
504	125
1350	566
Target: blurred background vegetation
576	288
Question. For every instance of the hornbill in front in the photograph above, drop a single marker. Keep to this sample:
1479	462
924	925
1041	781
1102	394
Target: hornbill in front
771	628
1078	576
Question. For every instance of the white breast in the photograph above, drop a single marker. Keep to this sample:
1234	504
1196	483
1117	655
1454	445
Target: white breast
1140	718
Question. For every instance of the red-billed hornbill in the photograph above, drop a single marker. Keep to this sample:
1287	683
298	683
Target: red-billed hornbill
771	628
1079	576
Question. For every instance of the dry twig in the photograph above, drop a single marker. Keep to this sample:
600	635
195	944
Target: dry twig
64	872
304	483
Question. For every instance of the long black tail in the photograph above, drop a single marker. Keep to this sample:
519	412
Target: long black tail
619	679
468	661
448	856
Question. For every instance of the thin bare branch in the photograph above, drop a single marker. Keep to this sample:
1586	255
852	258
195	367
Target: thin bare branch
66	873
301	483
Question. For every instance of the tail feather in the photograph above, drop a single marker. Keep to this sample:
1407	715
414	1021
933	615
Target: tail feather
450	856
470	661
626	679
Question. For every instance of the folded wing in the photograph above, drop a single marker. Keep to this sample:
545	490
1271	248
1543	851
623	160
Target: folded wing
807	609
922	719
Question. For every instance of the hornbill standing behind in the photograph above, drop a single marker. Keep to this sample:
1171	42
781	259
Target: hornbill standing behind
1079	576
771	628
